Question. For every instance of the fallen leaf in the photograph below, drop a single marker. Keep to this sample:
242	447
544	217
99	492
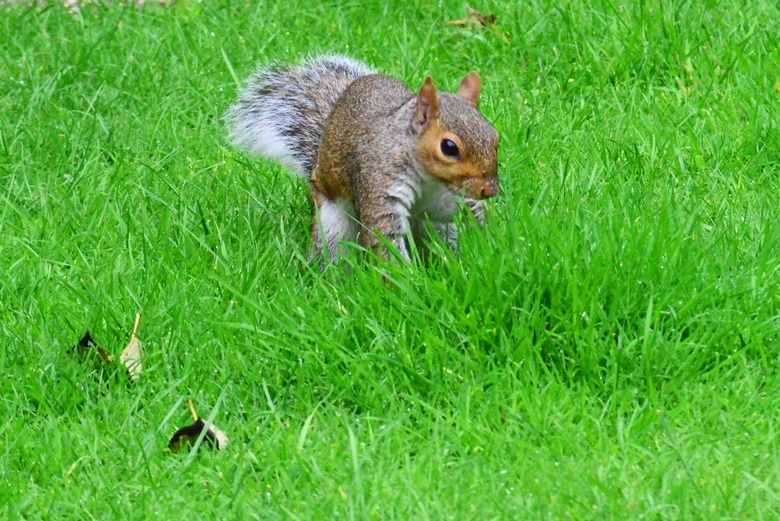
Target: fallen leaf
131	355
481	19
186	437
475	17
86	349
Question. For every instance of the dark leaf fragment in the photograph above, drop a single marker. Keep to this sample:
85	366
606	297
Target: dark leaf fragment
185	438
88	349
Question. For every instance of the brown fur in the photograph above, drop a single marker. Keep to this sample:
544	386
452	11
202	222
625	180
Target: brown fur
381	139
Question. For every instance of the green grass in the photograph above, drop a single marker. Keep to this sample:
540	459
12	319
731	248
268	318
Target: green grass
606	348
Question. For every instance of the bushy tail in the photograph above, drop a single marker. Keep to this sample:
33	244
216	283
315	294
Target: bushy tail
281	113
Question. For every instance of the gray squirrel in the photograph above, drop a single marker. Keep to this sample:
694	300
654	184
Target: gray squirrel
381	160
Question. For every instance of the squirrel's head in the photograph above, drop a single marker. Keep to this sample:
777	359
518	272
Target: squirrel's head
456	144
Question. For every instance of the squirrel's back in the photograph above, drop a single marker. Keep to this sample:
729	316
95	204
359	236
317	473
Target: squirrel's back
282	112
374	97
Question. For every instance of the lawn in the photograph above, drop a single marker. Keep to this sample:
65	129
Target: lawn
607	347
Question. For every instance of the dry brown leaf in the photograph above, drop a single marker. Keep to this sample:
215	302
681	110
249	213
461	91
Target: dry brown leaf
475	17
186	437
482	19
131	355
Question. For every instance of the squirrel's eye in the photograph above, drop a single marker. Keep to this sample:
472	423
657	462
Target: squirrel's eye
449	148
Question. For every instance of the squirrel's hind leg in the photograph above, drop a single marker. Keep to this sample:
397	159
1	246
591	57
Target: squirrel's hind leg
333	222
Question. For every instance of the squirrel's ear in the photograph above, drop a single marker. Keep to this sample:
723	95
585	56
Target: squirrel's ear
469	88
427	104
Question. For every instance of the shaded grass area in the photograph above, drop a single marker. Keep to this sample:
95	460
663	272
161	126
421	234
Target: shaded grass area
605	348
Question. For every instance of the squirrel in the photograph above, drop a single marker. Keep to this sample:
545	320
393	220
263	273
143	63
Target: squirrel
384	164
